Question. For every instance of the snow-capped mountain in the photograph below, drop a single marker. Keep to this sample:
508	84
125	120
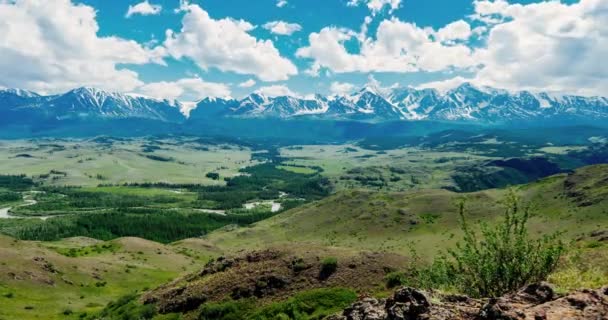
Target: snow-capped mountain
88	103
464	103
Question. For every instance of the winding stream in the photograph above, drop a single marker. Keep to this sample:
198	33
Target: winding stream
5	212
28	201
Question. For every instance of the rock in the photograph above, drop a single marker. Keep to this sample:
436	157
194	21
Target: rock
267	285
538	302
221	264
534	302
184	304
366	309
499	309
599	233
407	304
537	293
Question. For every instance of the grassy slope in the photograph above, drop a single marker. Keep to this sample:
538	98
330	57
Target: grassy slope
351	220
381	221
37	282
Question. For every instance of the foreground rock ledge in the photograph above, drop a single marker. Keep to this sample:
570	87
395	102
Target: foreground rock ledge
535	302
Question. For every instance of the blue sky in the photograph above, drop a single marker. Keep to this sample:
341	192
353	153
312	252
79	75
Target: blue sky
311	15
334	46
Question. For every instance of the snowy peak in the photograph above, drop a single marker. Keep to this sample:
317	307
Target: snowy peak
466	102
90	103
20	93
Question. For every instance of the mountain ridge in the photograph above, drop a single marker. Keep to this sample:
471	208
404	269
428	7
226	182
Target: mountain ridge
465	103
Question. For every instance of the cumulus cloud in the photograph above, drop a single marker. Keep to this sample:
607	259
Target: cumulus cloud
188	89
445	85
225	44
50	46
376	6
397	47
144	8
549	46
341	88
458	30
247	84
543	46
281	3
276	91
282	28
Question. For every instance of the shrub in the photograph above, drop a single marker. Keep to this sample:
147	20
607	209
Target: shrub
227	310
500	260
9	196
329	265
298	265
395	279
127	307
213	175
308	305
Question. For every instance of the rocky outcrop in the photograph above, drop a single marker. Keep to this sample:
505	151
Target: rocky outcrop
270	275
535	302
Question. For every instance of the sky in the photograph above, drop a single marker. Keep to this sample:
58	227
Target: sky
188	50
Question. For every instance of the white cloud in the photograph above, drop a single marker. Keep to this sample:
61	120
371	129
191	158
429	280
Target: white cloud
376	6
225	44
485	8
144	8
547	46
445	85
341	88
276	91
281	3
282	28
397	47
188	89
247	84
544	46
51	46
458	30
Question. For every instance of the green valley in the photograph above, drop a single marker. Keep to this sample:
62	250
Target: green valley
261	229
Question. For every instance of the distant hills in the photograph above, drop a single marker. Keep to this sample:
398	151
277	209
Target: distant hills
466	103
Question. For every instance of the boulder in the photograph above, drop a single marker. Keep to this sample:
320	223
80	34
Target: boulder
407	304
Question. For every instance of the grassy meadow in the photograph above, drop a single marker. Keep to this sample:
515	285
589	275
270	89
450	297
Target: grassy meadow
74	277
86	222
90	162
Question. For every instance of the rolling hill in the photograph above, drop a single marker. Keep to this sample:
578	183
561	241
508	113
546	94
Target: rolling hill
576	203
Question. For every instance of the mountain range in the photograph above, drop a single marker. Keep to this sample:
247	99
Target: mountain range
466	103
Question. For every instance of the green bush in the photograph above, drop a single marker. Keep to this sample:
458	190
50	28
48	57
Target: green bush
329	265
127	307
395	279
500	260
308	305
213	175
227	310
9	196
